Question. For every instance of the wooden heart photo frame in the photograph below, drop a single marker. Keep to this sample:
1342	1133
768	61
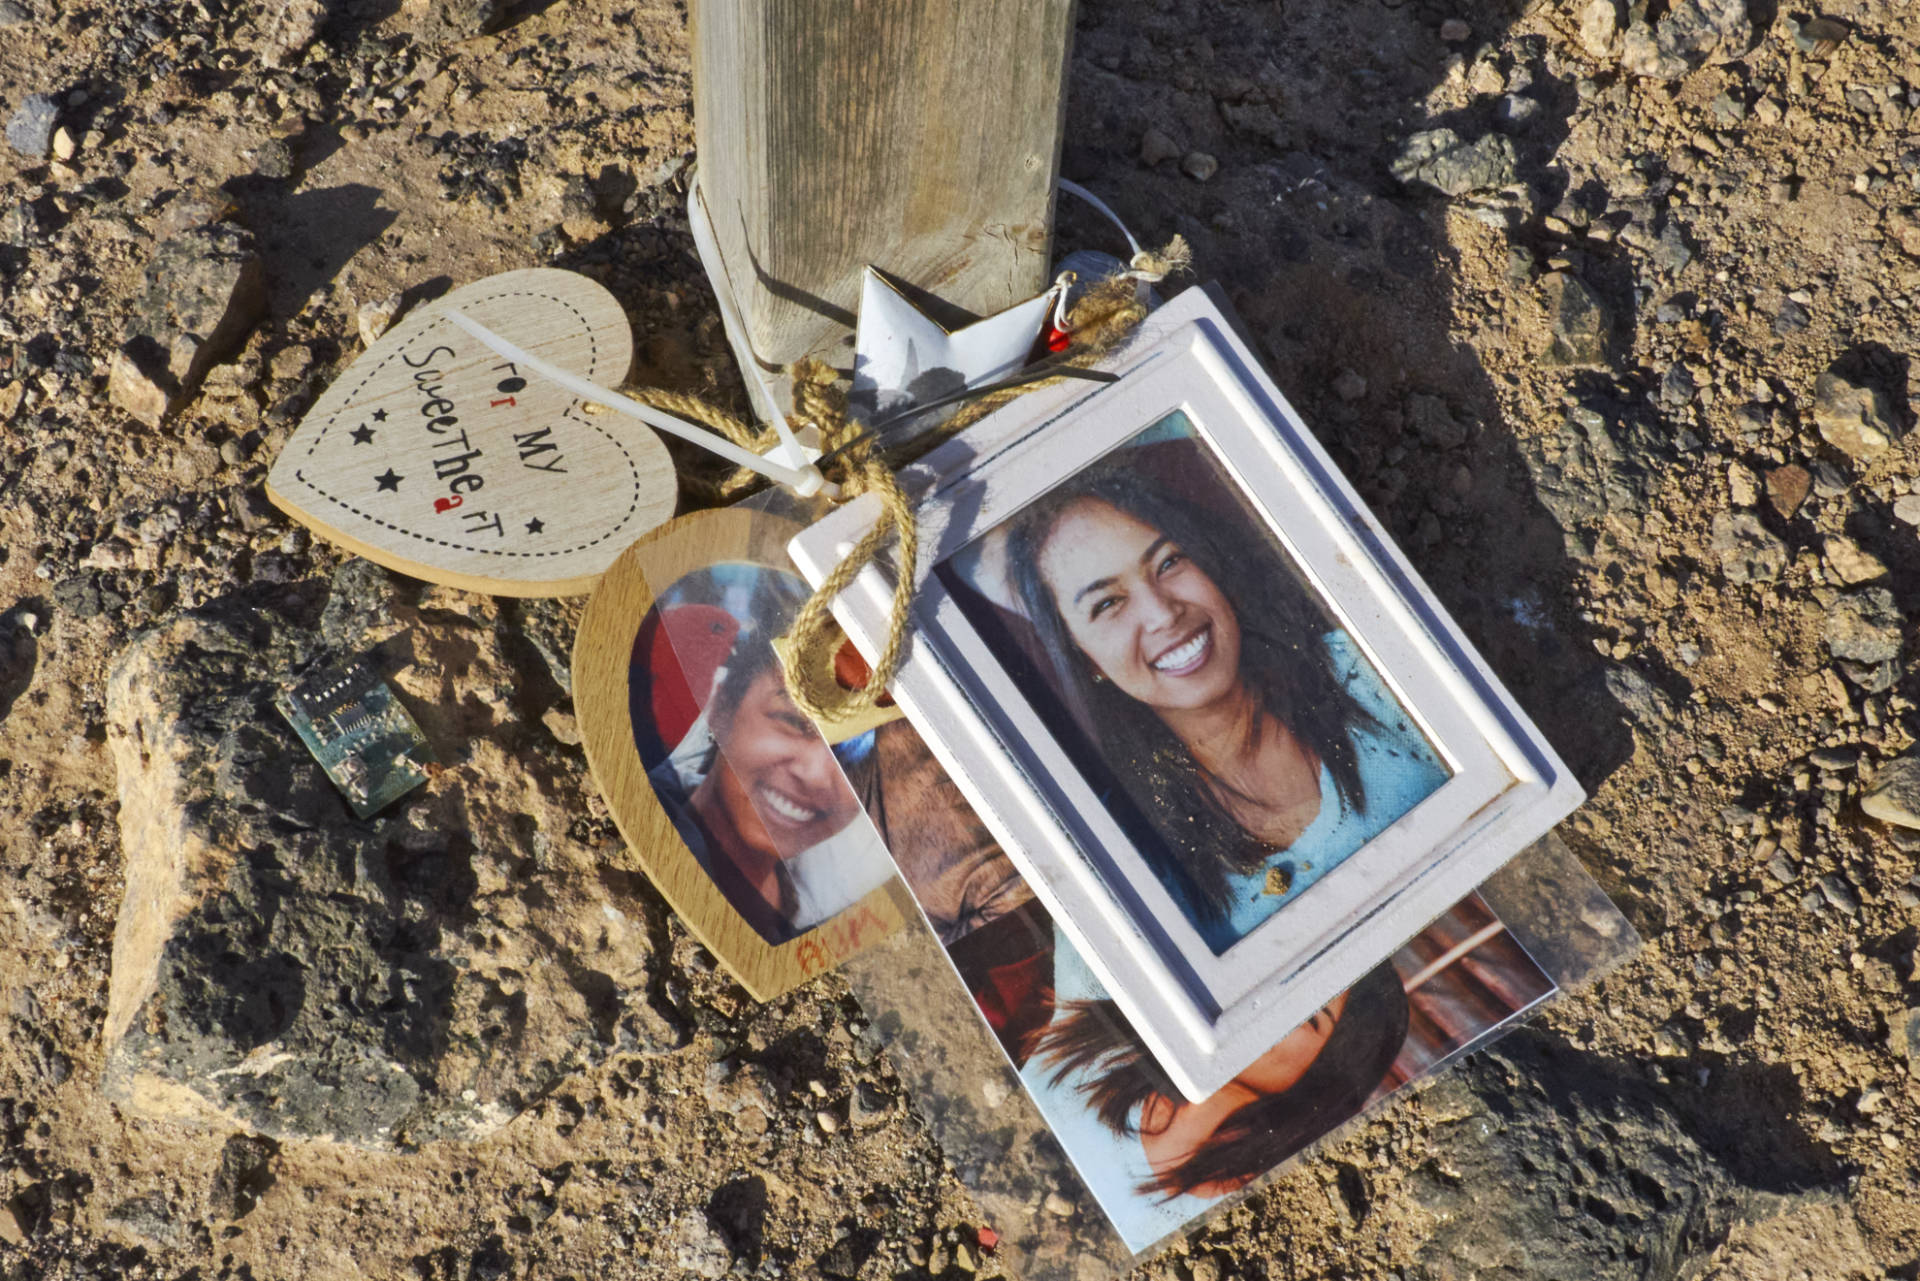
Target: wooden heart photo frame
731	801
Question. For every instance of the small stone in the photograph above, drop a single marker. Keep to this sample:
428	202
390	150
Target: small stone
274	159
292	362
828	1122
30	131
1349	386
1905	1038
562	725
148	1219
1864	627
1581	324
203	290
1434	422
1515	112
242	1176
1455	30
1781	868
136	386
375	318
1438	158
1905	230
449	21
1199	166
1156	146
963	1257
1895	794
1787	488
1840	894
13	13
1693	32
1817	37
11	1229
1748	552
1828	480
697	1249
1850	563
1058	1206
64	146
1743	487
1906	509
1855	419
1599	24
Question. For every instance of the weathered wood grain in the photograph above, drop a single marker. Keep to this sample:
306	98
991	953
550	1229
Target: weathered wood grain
921	136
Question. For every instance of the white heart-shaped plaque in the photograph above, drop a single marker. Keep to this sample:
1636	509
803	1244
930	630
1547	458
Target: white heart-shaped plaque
438	458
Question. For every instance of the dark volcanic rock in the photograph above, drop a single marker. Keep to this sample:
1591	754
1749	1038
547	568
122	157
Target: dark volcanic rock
1581	325
1440	159
30	129
1560	1166
1747	551
1864	627
282	967
242	1175
201	294
1692	33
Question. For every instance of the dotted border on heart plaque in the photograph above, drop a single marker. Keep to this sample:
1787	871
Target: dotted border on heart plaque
593	357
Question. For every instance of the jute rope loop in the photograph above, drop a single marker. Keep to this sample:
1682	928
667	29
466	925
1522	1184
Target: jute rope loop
1104	316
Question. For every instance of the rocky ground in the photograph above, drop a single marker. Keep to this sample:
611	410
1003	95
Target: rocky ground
1610	313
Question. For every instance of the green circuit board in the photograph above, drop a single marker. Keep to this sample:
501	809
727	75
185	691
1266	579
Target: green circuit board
359	732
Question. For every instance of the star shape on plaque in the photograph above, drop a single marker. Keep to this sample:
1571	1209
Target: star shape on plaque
389	480
903	357
362	435
536	525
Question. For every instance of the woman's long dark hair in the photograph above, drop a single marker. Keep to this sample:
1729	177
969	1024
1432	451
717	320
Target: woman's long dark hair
1091	1039
1283	658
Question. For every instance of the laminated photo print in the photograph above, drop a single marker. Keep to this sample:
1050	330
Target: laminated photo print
1155	1159
752	788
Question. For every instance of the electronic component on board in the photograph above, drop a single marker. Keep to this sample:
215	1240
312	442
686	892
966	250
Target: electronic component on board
360	733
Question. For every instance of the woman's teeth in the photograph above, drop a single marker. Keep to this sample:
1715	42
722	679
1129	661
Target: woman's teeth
1183	655
786	807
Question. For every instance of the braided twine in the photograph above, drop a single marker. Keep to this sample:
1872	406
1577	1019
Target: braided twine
1103	317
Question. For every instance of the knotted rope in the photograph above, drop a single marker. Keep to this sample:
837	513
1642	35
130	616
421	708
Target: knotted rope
853	459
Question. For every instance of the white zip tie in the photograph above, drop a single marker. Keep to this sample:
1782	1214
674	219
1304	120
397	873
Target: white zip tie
805	481
1075	189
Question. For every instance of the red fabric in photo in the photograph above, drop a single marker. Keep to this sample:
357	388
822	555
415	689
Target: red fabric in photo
683	648
1007	966
1016	1001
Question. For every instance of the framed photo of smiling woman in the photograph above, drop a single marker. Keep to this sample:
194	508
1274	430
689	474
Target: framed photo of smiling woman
1232	741
730	799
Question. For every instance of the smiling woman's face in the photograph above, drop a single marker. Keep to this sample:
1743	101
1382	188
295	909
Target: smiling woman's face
1151	620
778	782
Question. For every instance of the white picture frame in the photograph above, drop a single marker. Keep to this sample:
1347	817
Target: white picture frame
1205	1015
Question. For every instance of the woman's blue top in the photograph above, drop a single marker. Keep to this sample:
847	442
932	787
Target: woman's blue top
1398	770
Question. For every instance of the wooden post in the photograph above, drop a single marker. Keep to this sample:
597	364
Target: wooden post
921	136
